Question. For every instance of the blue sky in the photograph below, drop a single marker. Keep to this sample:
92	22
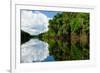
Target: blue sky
49	14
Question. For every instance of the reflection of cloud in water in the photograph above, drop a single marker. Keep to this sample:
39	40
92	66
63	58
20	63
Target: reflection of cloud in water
34	50
34	23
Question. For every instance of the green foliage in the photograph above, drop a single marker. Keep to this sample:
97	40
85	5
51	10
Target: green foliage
76	53
66	22
61	28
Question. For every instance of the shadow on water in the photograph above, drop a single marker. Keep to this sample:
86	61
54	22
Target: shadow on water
24	37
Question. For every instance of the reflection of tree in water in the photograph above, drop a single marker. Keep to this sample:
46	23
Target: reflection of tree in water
63	50
24	37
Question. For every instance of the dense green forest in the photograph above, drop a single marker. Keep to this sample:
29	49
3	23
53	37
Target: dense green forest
68	36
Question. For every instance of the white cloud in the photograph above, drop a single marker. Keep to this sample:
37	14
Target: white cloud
34	50
34	23
50	18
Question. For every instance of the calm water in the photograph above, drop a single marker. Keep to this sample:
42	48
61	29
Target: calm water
35	50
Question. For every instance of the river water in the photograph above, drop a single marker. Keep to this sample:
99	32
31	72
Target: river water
35	50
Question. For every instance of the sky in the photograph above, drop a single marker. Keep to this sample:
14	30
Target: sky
49	14
36	22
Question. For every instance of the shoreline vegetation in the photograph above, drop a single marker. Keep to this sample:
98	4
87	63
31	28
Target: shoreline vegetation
68	36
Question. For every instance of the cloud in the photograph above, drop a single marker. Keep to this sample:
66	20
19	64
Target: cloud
34	23
50	18
34	50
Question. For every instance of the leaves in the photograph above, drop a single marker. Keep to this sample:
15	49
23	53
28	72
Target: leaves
65	36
